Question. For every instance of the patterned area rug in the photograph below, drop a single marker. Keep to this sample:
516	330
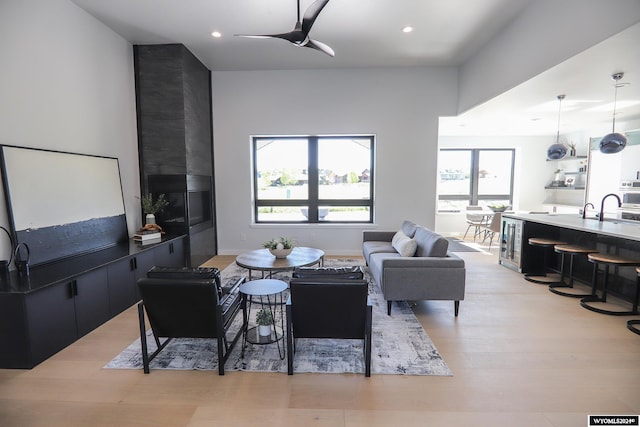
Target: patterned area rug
399	345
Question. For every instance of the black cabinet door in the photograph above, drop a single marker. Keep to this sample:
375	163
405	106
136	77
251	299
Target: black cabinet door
170	254
91	297
51	321
122	289
143	263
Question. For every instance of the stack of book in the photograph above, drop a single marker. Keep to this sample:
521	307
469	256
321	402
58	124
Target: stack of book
145	237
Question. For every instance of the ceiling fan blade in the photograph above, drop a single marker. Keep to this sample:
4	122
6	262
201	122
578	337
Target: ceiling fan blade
253	36
314	44
311	14
299	35
290	36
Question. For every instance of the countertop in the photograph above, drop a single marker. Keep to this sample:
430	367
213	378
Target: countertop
66	269
623	229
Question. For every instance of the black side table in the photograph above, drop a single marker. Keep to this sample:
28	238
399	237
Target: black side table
268	295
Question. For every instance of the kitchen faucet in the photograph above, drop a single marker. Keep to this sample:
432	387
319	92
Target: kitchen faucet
584	209
602	204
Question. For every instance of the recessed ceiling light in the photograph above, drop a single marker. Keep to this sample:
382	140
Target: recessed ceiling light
407	29
216	34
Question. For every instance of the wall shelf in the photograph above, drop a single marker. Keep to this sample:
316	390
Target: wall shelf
549	187
567	158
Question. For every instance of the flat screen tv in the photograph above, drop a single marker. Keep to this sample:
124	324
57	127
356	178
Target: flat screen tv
62	204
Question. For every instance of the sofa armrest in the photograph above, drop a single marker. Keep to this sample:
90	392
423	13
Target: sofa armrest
377	236
450	261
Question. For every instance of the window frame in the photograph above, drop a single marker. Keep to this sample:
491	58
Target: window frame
313	202
473	197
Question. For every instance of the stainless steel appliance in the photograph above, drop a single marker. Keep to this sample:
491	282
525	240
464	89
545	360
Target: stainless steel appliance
511	243
630	184
631	199
630	195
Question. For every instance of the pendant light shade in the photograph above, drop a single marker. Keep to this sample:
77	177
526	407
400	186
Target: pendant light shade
557	150
614	142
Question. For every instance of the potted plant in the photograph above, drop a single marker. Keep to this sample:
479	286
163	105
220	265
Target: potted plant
264	318
151	207
280	248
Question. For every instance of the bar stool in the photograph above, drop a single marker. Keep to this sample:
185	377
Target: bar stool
547	245
609	260
572	251
631	324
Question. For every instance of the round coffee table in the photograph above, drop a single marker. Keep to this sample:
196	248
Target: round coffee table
262	260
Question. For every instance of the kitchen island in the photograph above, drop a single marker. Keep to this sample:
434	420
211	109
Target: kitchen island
613	236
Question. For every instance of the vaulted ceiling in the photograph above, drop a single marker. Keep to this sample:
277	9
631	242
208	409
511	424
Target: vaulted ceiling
369	34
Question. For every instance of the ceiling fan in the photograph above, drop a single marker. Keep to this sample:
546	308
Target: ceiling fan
299	36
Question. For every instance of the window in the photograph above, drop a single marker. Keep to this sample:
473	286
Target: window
475	177
318	179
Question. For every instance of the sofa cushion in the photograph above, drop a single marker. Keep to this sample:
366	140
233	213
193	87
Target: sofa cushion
375	266
374	247
430	244
408	228
405	245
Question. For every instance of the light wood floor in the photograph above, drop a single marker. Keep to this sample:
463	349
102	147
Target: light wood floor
521	356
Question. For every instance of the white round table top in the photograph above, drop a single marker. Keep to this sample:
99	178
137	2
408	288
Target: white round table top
261	287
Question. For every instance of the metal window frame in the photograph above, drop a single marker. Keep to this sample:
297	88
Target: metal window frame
473	197
313	201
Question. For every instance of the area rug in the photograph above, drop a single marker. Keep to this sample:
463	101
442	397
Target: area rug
399	345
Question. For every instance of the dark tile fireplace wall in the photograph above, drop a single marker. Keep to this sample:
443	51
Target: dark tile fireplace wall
175	129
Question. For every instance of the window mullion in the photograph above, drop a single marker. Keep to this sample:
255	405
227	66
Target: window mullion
475	174
313	179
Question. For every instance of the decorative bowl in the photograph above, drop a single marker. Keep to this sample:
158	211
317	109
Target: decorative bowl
280	253
498	208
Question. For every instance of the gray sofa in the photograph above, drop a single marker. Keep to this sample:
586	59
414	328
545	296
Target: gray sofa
413	264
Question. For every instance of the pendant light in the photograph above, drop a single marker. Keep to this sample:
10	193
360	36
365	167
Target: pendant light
614	142
557	150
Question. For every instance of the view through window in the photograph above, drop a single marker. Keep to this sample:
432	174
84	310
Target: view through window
475	177
313	179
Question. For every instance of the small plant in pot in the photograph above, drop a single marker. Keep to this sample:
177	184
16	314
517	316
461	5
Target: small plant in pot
280	248
151	207
264	319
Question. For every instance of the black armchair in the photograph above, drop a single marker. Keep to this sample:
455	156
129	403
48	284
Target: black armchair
188	303
329	303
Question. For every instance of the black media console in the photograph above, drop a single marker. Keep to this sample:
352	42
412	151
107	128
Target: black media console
59	302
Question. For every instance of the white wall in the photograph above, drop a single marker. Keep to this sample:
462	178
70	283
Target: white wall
400	106
67	84
545	34
531	173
